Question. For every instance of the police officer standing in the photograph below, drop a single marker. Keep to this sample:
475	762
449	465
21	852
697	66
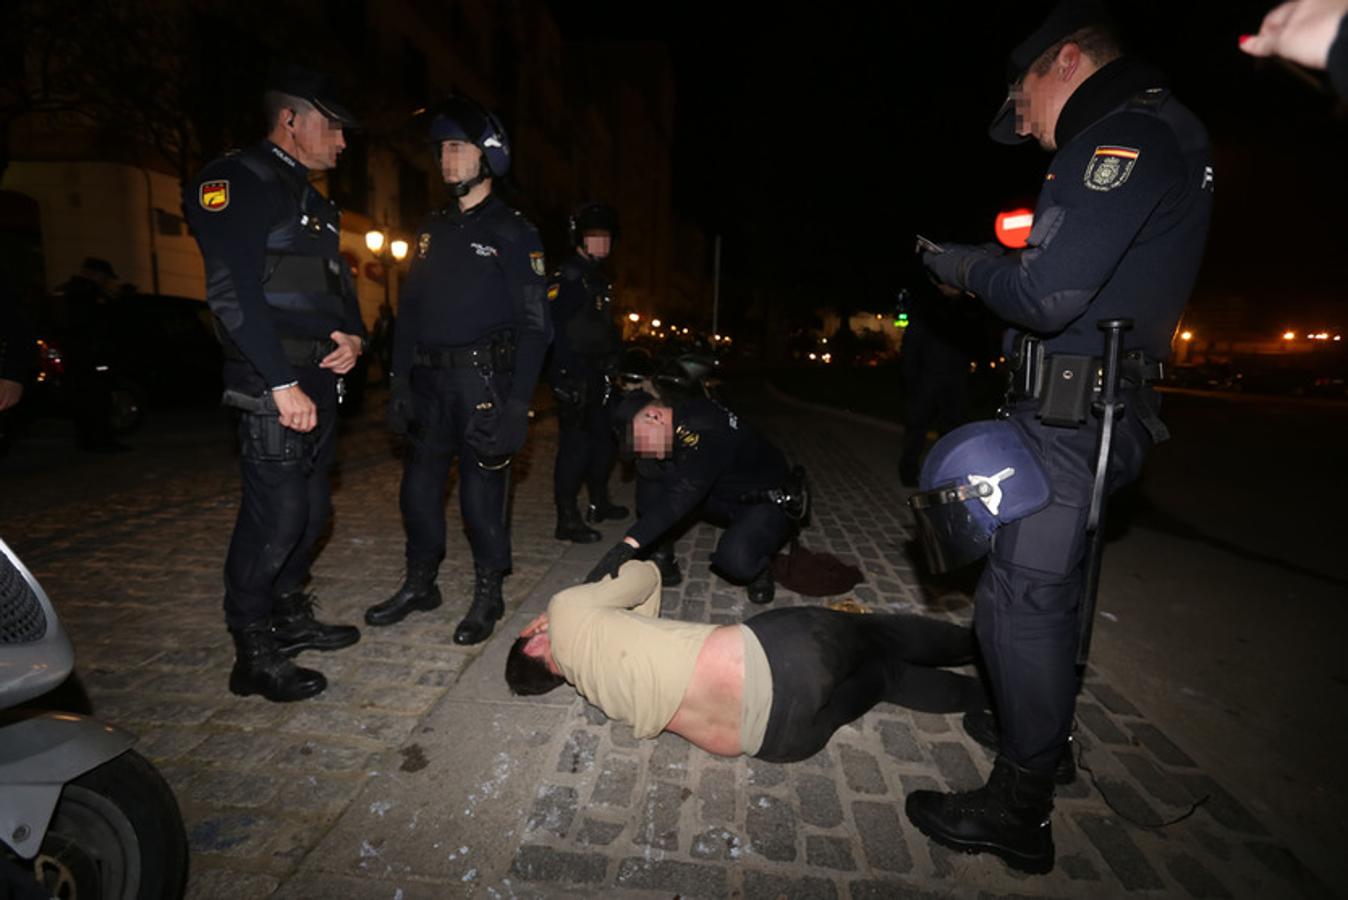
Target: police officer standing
584	352
286	313
472	333
695	457
1119	231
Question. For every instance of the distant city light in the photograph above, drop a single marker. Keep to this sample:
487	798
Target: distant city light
827	357
1288	336
814	356
374	240
1186	335
399	249
634	317
655	323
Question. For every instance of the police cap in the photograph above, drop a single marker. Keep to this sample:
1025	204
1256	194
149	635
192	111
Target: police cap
316	89
1065	17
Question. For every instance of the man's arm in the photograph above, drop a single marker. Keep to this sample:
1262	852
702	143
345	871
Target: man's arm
409	303
686	484
533	324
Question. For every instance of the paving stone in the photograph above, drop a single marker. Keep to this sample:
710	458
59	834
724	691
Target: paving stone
716	843
318	793
765	774
717	795
861	771
1078	867
1112	700
874	889
598	833
687	880
1127	802
621	736
829	852
1100	724
228	884
669	759
818	798
222	787
931	723
821	760
1212	844
957	767
165	744
659	825
326	756
593	714
240	748
578	753
1284	863
1194	877
1125	860
1223	807
771	824
231	833
616	781
882	836
1161	746
1153	780
554	809
537	863
762	886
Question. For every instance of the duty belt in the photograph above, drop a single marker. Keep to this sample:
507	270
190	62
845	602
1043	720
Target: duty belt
495	355
298	351
1030	377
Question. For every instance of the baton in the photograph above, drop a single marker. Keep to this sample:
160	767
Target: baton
1109	409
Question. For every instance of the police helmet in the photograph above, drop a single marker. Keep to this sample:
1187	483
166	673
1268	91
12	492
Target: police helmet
977	478
592	217
459	118
636	367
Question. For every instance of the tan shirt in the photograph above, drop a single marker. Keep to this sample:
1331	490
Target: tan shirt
608	640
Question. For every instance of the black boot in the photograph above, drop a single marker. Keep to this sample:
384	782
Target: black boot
1008	817
604	509
418	592
570	527
487	607
294	627
261	668
982	726
763	588
663	556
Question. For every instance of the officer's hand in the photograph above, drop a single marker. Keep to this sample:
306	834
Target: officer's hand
952	266
10	392
611	562
512	428
1301	31
401	410
344	357
295	410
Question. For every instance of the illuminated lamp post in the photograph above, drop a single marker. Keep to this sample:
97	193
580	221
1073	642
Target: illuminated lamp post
383	249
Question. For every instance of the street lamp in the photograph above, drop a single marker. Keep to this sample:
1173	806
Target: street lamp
634	317
384	249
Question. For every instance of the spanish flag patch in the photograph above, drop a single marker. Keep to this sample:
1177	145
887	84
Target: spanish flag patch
214	195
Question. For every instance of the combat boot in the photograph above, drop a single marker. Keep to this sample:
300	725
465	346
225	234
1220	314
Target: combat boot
663	556
294	627
982	727
764	587
1008	817
570	527
486	609
418	592
261	668
602	509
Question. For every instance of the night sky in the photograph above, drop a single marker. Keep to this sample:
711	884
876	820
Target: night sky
818	143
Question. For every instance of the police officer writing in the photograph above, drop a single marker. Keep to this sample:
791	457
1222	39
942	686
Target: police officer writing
697	457
286	313
1119	231
472	332
584	350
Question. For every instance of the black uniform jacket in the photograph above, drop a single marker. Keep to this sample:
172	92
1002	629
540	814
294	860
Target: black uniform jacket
476	273
715	455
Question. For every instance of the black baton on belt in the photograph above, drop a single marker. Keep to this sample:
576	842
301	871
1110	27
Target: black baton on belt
1108	408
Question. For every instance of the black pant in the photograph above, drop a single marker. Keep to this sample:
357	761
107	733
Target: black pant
285	505
829	668
754	532
1029	595
444	402
585	442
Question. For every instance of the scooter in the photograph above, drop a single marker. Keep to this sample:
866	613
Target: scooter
81	813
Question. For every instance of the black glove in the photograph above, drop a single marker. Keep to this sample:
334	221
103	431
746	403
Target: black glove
612	561
401	409
495	432
952	266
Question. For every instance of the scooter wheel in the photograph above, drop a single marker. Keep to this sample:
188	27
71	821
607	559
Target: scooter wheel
117	832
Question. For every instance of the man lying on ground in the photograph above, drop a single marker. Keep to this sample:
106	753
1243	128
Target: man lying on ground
775	687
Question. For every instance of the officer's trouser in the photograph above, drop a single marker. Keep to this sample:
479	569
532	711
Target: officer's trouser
1027	601
286	503
585	442
829	668
444	400
754	532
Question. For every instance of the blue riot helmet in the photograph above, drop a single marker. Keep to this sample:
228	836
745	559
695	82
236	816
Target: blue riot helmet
460	119
976	479
592	217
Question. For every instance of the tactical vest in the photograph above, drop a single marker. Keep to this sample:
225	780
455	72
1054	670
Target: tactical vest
302	271
590	332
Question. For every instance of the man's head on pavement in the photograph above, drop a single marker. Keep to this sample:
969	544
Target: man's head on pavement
1071	44
303	117
530	669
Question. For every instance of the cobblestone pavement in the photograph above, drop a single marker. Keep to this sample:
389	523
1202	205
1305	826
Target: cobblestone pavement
416	774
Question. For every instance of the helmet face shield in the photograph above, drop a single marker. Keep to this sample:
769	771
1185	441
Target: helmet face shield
952	531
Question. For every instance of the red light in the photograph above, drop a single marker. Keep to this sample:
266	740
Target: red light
1013	227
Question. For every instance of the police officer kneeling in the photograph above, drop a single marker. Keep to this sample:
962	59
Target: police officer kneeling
286	313
472	332
694	456
1118	234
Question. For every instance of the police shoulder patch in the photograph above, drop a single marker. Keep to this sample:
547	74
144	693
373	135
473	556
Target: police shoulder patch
553	290
1109	167
537	264
423	244
687	438
214	195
